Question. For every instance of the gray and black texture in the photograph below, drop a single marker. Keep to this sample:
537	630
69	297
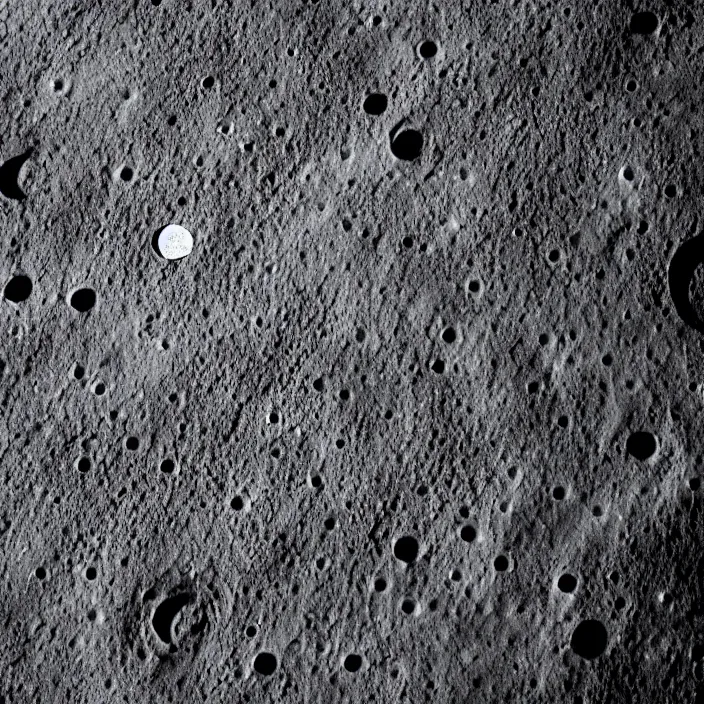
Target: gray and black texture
420	417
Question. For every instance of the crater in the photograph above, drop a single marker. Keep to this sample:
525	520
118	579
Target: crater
685	278
589	639
166	617
10	176
407	145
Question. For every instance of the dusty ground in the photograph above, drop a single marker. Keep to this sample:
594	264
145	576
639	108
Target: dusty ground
419	418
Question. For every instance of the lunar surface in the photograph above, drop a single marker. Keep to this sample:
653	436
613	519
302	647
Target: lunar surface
413	412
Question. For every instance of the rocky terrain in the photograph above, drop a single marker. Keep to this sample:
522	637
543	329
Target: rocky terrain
413	411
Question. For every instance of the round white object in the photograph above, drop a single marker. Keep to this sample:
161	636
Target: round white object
175	242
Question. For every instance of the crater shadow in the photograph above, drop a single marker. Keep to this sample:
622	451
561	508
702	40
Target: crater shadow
680	275
9	176
165	616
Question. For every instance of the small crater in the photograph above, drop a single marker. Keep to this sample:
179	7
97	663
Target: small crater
643	23
642	445
265	664
315	481
627	174
408	606
406	549
10	176
375	104
468	533
353	662
589	639
407	145
18	288
132	443
501	563
438	366
474	287
427	49
449	335
83	299
567	583
166	616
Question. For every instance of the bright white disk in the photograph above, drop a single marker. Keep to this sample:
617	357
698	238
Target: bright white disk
175	242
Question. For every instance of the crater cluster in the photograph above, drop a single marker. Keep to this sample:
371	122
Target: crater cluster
351	352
